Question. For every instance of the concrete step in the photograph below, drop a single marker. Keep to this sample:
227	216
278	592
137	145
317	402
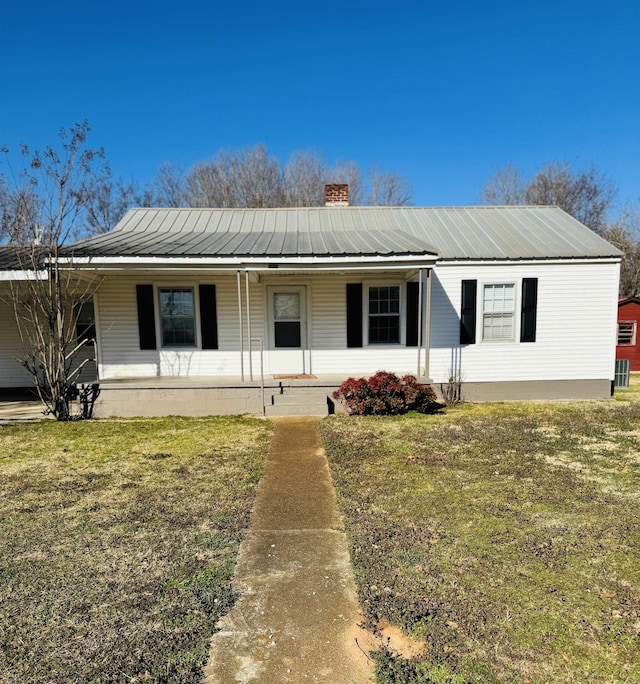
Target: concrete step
297	398
298	401
297	410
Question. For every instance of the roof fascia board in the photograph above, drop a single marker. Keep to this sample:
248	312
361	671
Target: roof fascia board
244	262
23	275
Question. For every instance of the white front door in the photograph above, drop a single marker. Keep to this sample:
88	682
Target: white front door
287	329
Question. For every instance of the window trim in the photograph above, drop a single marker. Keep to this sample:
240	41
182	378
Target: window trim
515	321
632	342
366	286
196	314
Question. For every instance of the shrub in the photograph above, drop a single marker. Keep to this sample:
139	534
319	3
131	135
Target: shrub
385	394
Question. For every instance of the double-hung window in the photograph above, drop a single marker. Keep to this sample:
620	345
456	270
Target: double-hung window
384	314
177	317
498	311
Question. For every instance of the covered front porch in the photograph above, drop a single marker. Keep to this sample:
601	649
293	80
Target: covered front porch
269	395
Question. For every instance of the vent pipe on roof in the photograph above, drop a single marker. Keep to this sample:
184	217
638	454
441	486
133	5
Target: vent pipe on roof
336	195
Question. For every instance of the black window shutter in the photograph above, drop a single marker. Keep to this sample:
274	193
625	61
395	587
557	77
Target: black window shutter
146	317
529	310
468	312
412	314
354	315
208	317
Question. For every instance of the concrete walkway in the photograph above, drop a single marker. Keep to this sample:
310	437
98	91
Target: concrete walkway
21	410
297	616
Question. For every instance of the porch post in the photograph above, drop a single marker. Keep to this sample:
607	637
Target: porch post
246	282
427	326
241	326
419	321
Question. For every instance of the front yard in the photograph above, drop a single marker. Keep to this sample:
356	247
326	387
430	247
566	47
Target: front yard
504	538
118	541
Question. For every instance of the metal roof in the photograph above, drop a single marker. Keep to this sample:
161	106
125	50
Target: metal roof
20	257
453	233
270	243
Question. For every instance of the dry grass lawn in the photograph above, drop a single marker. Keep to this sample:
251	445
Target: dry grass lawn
504	538
118	542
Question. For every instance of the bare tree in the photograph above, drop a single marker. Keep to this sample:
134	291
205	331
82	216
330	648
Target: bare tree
107	201
253	178
388	189
349	173
505	186
17	205
305	176
625	235
168	189
248	178
48	305
586	195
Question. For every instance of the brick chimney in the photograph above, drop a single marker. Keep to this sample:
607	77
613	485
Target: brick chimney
336	195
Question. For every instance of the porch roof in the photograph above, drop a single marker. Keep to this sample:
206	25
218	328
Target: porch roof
267	243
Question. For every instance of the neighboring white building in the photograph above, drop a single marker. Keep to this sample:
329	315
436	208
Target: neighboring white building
518	302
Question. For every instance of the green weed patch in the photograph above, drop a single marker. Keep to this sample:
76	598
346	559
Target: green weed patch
506	537
118	541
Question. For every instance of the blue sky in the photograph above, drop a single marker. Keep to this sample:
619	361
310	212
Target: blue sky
441	91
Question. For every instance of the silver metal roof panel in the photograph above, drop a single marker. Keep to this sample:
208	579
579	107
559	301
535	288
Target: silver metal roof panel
453	233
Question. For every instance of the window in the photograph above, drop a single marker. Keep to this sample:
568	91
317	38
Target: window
177	317
626	333
498	306
85	322
384	315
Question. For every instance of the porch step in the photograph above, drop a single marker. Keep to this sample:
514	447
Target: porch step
298	401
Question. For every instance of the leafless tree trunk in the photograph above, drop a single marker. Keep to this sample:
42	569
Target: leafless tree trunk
48	303
47	307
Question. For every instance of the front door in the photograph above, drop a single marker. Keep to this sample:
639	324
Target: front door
287	329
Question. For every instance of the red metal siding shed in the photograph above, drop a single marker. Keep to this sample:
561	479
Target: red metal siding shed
628	334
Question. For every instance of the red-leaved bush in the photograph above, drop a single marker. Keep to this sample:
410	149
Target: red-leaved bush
385	394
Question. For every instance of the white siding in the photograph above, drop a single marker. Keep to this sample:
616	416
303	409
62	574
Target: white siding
121	356
11	372
576	323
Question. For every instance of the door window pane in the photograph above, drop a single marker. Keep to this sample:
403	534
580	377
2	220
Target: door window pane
286	306
287	333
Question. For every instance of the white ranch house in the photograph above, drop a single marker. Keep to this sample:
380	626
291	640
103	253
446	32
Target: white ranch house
196	309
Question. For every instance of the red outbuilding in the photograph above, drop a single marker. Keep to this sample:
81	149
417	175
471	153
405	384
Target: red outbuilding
628	339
